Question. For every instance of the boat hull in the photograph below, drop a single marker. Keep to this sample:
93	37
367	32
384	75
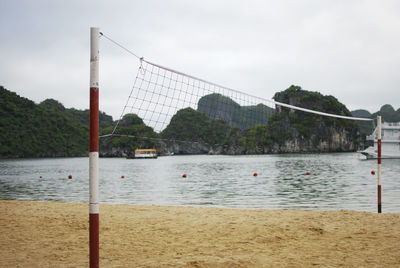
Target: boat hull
145	154
145	157
371	153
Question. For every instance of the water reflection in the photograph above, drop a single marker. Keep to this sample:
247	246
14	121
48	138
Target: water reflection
296	188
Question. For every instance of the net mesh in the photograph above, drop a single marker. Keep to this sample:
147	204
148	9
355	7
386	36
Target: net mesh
158	93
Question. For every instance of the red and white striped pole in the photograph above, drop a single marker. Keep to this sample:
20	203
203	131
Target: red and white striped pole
94	150
379	164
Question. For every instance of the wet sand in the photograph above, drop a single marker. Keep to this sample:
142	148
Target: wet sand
47	234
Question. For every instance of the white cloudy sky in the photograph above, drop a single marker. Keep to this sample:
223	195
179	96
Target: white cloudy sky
347	48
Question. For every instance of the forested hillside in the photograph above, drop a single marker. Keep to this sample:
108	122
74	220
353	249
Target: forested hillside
45	130
29	130
131	134
80	116
191	125
49	129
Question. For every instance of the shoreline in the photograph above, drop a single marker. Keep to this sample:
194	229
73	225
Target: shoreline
103	155
55	234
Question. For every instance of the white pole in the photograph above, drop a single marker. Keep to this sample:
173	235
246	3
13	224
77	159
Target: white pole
379	164
94	150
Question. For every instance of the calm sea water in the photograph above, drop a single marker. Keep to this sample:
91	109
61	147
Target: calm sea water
336	181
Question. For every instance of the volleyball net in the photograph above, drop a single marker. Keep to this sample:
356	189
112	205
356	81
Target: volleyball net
161	93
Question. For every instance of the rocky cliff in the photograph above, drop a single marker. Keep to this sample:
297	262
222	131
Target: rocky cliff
293	131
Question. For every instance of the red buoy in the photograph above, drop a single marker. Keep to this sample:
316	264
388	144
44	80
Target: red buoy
255	174
122	177
70	176
372	172
184	175
40	177
308	173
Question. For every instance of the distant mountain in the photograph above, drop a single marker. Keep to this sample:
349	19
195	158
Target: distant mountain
387	112
366	127
361	113
217	106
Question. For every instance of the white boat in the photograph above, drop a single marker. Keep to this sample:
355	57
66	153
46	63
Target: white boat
145	153
390	142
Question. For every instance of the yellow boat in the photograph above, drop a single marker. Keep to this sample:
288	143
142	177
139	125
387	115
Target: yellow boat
145	153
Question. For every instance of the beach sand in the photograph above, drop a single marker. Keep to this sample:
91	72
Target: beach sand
47	234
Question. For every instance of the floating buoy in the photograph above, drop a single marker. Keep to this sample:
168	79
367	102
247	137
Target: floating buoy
122	177
40	177
70	176
184	175
255	174
372	172
308	173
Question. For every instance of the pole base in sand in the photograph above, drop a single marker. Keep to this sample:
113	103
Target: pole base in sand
94	240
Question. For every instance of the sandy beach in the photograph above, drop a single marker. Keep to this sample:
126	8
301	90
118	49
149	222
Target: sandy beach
46	234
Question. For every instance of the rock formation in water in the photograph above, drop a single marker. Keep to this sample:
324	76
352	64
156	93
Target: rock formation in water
293	131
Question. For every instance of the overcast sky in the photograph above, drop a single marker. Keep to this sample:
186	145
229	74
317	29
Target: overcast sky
348	49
